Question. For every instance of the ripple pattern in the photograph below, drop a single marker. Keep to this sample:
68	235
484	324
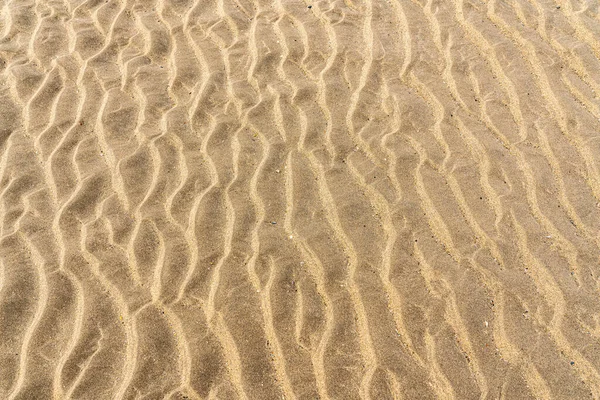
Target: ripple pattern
297	199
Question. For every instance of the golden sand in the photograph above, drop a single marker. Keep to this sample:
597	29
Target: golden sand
248	199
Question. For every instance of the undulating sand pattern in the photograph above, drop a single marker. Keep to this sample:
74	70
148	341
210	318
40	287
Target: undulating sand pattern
269	199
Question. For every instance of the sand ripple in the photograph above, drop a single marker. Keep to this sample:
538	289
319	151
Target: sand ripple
248	199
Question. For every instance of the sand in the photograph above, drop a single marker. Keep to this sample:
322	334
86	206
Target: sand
248	199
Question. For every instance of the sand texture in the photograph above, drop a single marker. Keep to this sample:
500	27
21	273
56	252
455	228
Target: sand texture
287	199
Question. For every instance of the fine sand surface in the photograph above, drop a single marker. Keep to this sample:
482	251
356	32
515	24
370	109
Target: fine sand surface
287	199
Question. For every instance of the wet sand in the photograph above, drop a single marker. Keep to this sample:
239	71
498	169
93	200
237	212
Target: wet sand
239	199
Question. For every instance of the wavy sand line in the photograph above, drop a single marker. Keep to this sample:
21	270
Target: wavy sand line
318	275
553	295
42	303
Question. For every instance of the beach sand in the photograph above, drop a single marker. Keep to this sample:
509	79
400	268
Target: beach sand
288	199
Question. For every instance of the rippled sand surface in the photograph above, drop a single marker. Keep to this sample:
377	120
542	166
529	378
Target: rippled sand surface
248	199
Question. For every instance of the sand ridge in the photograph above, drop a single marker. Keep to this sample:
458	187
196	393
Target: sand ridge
264	199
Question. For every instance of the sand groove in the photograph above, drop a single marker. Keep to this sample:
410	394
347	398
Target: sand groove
261	199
